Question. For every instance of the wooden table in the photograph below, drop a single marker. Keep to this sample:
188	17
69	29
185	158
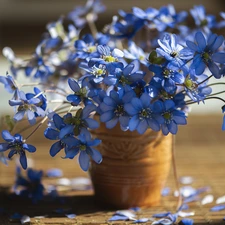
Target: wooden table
200	153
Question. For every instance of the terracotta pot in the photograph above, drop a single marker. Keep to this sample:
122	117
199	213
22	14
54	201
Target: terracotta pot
134	167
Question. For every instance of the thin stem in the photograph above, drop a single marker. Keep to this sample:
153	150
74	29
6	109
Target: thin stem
56	92
217	93
205	80
39	125
207	98
91	25
179	202
219	83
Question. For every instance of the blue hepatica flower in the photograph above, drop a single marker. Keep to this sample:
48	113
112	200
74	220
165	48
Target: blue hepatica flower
10	85
107	57
30	187
135	52
196	88
53	133
169	75
96	73
206	54
80	93
143	114
172	51
112	109
84	146
81	14
78	123
167	17
16	145
206	22
127	27
37	92
149	14
172	117
86	48
123	76
27	106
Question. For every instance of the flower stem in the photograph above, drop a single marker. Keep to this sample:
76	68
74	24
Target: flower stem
179	202
205	80
91	25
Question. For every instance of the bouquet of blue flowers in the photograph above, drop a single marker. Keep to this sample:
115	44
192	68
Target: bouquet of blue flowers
142	72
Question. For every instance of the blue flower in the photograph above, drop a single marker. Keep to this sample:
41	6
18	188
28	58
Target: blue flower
96	73
76	124
206	54
86	48
84	147
167	17
206	22
27	106
37	92
80	93
107	57
53	133
10	85
16	145
196	88
172	51
169	75
30	187
127	27
149	14
172	117
112	109
143	114
135	52
81	14
123	76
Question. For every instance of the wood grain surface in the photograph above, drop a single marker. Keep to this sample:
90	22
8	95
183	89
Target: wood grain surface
200	153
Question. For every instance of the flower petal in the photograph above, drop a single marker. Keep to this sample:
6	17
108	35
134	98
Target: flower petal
96	155
84	160
7	136
23	160
55	148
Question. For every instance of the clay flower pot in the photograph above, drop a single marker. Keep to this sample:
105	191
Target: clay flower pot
134	167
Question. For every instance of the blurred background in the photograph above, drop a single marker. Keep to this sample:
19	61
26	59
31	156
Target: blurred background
22	23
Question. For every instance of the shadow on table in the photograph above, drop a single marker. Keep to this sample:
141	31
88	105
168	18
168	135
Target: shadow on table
51	207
